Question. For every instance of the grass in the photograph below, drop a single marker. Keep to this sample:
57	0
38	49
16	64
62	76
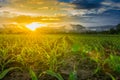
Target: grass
59	57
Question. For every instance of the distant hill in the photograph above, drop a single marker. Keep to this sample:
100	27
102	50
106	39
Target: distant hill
78	28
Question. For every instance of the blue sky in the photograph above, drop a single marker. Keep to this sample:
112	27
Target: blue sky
84	12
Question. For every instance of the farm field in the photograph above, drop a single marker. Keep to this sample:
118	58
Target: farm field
59	57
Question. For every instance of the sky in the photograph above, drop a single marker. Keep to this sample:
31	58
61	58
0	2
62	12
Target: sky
84	12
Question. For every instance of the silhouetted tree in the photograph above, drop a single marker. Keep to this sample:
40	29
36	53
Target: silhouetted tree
118	28
112	31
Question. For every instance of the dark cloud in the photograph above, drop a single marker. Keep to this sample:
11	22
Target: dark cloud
64	0
109	17
116	1
107	13
95	12
112	13
87	4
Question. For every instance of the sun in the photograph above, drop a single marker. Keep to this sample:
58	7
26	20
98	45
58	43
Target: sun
34	25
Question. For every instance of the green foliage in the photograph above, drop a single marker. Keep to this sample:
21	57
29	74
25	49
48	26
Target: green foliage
73	76
75	47
32	75
114	63
112	31
112	77
4	72
57	75
33	52
118	28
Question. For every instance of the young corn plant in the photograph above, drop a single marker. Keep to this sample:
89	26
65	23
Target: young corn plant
6	59
72	75
4	72
32	74
53	56
23	59
56	75
114	63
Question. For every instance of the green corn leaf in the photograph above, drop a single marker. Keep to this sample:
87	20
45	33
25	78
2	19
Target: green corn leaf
57	75
33	75
72	76
97	70
112	77
3	73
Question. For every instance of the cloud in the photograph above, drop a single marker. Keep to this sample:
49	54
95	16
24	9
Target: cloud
82	11
64	0
95	7
23	11
87	4
78	12
2	3
95	4
117	1
95	12
111	5
41	7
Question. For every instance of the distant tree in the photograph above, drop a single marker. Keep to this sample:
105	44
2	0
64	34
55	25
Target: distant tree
112	31
118	28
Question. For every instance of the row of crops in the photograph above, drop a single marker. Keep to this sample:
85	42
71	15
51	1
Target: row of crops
59	57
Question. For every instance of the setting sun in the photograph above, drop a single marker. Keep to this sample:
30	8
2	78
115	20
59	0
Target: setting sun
33	26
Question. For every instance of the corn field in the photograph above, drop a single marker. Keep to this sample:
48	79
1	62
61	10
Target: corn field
59	57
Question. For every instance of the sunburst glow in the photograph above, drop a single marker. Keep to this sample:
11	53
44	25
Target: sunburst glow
33	26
